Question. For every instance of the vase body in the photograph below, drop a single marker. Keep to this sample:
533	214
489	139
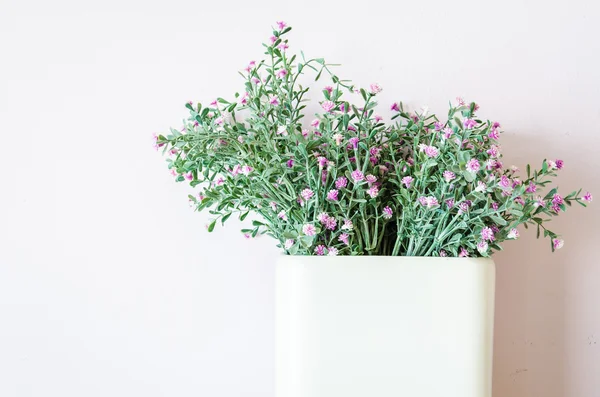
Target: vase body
384	326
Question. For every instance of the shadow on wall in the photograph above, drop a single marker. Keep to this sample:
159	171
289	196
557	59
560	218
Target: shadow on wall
531	323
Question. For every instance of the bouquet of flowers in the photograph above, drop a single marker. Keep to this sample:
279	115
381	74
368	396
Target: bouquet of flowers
348	183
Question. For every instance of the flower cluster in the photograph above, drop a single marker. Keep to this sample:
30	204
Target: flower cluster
349	184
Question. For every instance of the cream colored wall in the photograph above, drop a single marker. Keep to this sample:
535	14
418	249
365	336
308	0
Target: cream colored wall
108	283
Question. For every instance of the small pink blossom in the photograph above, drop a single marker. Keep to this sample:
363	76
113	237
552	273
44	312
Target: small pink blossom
219	120
493	134
315	123
338	138
329	89
513	234
387	212
288	244
328	106
322	217
493	151
375	89
309	230
557	199
247	236
283	46
373	191
473	166
449	175
332	251
447	133
504	182
236	170
174	172
495	206
557	243
481	187
559	164
357	176
450	203
188	176
490	164
395	107
220	181
347	225
281	73
438	125
371	179
273	100
551	164
282	130
531	188
344	238
482	247
588	197
429	201
487	234
320	250
431	151
354	142
463	207
341	182
378	118
246	170
307	194
255	80
244	99
273	205
463	253
281	25
332	195
460	101
407	181
290	163
214	103
330	223
443	253
322	161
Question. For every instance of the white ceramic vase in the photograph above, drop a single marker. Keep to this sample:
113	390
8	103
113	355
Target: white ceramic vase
384	326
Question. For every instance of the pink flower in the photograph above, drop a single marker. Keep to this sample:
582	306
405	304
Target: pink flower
282	130
395	107
481	187
281	73
322	161
460	101
375	151
513	234
246	170
557	199
329	89
273	205
213	103
332	251
288	244
431	151
373	191
559	164
189	176
438	125
464	207
328	106
387	213
341	182
493	151
273	39
357	176
469	123
551	164
344	238
332	195
247	236
504	182
236	169
494	134
219	120
315	123
490	164
407	181
557	243
539	202
371	179
320	250
174	172
322	217
281	25
330	223
290	163
354	142
448	175
309	230
220	180
255	80
443	253
482	247
273	100
378	118
450	203
463	253
531	188
338	138
473	166
588	197
429	201
487	234
495	206
347	225
447	133
283	46
244	99
307	194
375	89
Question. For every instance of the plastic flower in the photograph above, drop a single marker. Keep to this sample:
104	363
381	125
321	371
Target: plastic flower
443	253
371	179
347	225
344	238
288	244
513	234
330	223
332	195
395	107
244	99
531	188
429	201
328	106
482	247
588	197
281	25
504	182
332	251
432	151
281	73
559	164
463	253
315	123
487	234
373	191
322	217
341	182
282	215
473	166
375	89
448	175
406	181
447	133
188	176
320	250
338	138
273	100
481	187
357	176
309	230
354	142
469	123
290	163
246	170
557	243
387	213
450	203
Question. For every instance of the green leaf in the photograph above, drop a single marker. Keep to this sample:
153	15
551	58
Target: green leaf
211	226
244	215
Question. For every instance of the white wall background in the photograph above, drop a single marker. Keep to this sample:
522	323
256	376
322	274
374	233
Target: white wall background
109	284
